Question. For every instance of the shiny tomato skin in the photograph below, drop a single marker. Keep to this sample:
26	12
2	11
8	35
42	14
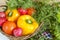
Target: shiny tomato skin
2	20
8	27
2	14
17	32
22	11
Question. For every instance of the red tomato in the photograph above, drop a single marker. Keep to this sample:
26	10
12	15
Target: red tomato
2	14
22	11
30	11
2	20
8	27
17	32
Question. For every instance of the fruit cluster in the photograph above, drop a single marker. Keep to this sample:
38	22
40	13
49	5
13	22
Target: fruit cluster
18	22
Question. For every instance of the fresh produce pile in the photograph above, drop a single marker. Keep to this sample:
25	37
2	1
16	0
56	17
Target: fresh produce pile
37	12
18	21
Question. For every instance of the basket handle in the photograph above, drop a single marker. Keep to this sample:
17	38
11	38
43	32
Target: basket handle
3	7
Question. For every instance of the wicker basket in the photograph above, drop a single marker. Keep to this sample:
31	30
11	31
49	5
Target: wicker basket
2	2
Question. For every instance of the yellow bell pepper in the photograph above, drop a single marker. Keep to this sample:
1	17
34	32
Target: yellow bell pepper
12	15
27	23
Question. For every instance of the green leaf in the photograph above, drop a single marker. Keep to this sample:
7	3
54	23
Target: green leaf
41	38
31	39
12	4
28	4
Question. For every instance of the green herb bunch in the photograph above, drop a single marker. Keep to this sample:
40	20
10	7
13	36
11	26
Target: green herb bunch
19	3
47	13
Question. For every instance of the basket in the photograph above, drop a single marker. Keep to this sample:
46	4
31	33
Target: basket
2	3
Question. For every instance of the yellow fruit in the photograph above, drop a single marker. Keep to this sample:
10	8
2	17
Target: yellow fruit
12	15
27	23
